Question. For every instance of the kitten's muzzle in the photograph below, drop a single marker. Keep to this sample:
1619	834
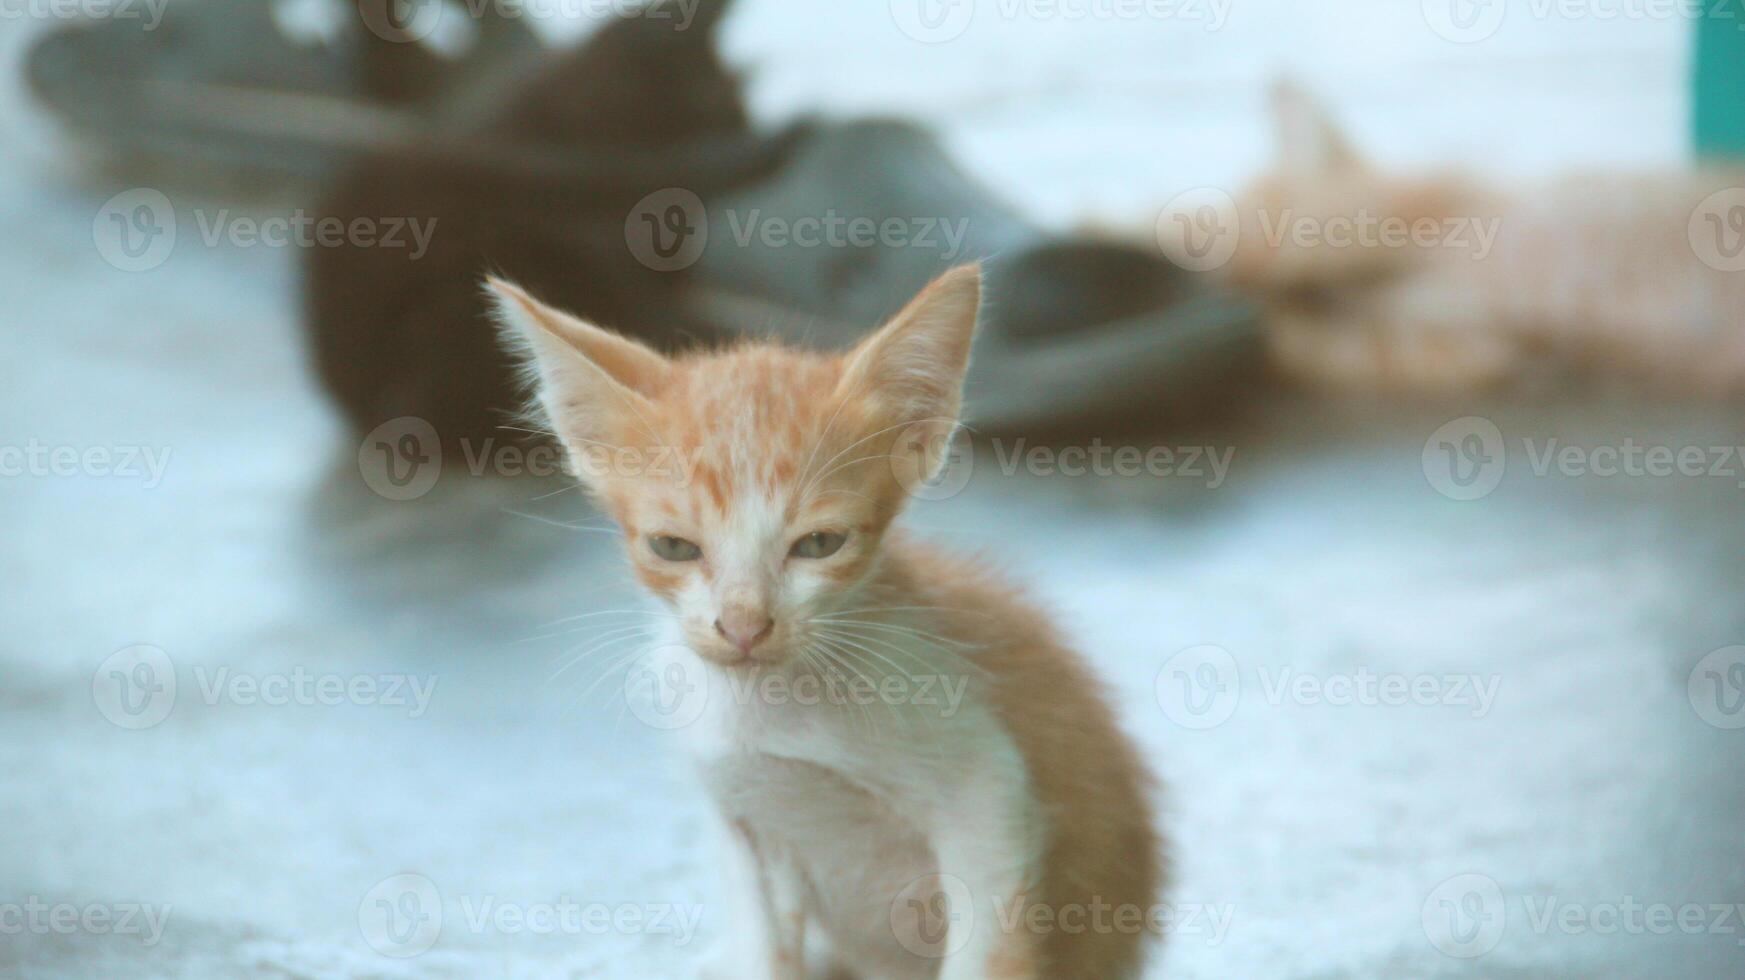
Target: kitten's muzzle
744	628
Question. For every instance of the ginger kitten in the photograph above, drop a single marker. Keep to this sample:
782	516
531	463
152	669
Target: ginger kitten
1616	274
886	836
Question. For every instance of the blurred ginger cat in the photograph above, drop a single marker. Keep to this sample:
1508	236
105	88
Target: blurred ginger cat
883	840
1620	275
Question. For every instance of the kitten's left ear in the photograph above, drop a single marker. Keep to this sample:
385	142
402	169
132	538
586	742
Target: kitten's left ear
912	369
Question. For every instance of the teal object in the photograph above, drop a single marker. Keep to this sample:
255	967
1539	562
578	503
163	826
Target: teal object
1718	103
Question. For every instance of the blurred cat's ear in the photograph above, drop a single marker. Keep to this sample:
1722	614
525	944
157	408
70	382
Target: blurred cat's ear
590	382
705	14
1308	141
912	368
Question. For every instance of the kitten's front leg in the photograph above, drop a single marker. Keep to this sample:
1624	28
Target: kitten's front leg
990	843
769	920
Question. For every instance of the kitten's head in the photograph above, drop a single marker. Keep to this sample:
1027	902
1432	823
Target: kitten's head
755	485
1321	185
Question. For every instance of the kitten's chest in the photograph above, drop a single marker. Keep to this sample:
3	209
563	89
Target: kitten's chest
808	762
804	785
819	823
744	726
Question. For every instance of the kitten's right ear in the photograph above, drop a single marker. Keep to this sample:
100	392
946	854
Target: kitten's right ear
1308	141
593	384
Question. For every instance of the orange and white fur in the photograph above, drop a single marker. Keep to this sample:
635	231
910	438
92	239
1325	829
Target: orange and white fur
1599	272
777	559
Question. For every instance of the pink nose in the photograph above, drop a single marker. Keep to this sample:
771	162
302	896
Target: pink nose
744	628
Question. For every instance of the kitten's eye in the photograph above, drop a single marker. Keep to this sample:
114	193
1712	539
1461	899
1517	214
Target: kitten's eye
818	544
674	549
